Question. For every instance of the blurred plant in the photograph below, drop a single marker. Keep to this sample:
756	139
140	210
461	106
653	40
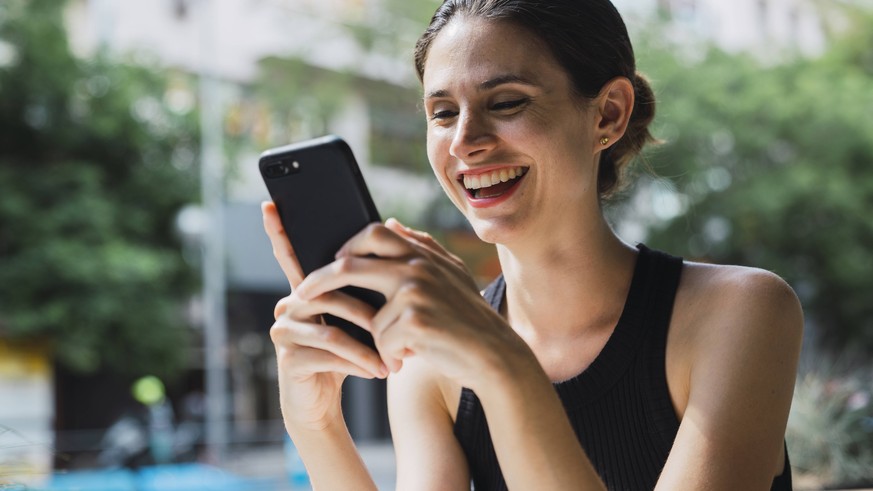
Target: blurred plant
391	27
301	98
95	161
768	165
830	428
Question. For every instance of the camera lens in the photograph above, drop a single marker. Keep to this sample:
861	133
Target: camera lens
282	168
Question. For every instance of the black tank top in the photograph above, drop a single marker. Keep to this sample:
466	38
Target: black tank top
619	406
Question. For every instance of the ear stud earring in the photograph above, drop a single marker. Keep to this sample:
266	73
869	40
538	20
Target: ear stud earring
604	140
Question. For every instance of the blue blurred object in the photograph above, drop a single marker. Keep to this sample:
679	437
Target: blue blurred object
297	475
185	477
174	477
94	480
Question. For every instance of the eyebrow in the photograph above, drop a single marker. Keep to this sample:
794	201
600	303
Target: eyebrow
490	84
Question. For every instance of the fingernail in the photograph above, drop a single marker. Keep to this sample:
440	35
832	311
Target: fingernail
383	371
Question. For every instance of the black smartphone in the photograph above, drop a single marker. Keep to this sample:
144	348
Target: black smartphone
323	201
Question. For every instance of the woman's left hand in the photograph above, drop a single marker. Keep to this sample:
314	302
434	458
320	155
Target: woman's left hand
433	308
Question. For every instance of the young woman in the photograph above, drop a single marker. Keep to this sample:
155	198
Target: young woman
597	365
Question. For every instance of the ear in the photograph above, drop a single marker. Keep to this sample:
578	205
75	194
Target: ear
614	105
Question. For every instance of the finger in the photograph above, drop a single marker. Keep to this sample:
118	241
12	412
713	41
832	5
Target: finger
308	361
282	248
379	275
394	326
335	303
289	333
424	240
376	239
393	339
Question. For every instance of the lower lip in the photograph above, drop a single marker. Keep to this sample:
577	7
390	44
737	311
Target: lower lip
496	200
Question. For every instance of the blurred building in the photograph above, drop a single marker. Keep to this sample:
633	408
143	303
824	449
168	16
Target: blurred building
25	425
768	28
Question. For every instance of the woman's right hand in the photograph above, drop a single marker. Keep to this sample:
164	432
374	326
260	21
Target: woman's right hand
314	358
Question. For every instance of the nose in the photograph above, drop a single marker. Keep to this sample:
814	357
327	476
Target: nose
473	136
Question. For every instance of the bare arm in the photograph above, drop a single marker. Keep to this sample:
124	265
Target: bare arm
428	455
741	380
331	459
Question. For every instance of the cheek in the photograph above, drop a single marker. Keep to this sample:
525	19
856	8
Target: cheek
438	147
437	156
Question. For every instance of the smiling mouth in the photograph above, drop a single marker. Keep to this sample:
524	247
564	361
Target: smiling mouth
492	184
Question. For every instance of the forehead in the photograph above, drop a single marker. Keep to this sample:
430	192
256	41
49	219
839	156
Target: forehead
471	50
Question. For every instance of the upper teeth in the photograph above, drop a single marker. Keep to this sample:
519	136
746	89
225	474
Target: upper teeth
491	178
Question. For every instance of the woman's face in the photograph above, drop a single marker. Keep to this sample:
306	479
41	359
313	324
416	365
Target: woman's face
510	143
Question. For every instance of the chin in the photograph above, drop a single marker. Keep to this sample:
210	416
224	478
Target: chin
493	231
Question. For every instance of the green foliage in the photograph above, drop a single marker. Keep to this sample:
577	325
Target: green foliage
301	99
93	167
394	28
831	425
299	94
773	165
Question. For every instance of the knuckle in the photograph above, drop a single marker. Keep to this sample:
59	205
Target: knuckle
330	335
374	230
274	333
282	306
278	332
410	292
419	263
290	307
420	268
343	265
414	316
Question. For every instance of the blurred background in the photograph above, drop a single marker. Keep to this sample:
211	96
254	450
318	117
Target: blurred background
137	286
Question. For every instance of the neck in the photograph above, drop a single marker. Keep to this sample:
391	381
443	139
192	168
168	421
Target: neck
573	286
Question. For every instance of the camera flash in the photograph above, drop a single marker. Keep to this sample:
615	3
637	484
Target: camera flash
295	164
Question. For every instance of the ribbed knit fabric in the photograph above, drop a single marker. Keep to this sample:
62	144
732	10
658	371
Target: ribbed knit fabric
619	406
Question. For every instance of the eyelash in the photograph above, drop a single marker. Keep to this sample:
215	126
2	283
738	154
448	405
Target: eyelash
442	115
500	106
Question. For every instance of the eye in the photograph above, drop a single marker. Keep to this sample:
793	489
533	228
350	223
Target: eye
443	114
507	105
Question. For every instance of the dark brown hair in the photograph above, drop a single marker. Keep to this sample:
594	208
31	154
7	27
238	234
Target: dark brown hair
589	40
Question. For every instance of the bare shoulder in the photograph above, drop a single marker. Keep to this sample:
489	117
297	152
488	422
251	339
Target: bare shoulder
728	309
718	294
725	314
732	354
